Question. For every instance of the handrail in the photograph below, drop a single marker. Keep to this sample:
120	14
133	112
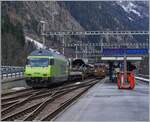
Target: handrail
143	75
143	79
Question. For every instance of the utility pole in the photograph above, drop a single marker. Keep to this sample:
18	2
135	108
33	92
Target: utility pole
63	51
43	31
76	51
53	18
86	51
125	61
53	13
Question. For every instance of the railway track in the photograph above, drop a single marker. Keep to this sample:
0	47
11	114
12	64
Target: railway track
16	92
42	104
15	95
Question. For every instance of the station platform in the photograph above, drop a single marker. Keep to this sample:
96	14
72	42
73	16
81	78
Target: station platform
105	102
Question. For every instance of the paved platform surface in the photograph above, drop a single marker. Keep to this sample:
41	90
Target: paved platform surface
105	102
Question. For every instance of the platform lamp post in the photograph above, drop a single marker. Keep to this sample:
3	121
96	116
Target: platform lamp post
76	50
63	45
125	61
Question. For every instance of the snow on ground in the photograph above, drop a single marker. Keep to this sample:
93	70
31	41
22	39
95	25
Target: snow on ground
136	12
39	45
130	7
130	19
18	88
36	43
77	82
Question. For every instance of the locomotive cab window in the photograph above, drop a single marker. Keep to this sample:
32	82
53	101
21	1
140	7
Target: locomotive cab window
38	62
51	62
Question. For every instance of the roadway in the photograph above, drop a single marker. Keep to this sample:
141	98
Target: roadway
105	102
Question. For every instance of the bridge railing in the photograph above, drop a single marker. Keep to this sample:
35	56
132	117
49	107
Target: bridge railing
11	71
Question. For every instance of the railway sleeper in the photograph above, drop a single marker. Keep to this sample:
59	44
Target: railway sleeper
16	115
63	106
14	106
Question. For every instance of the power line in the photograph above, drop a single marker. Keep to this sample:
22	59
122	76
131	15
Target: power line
110	45
98	33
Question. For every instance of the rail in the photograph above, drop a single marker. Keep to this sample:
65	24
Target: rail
36	102
11	71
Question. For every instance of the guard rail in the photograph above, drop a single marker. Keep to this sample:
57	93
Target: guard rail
11	71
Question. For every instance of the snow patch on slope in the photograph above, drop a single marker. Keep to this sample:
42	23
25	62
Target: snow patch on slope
136	12
131	19
36	43
129	7
40	45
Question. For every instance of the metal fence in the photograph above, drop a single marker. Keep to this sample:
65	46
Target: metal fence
144	76
143	79
11	71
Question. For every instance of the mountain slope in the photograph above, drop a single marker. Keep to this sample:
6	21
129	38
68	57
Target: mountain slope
29	14
109	15
67	16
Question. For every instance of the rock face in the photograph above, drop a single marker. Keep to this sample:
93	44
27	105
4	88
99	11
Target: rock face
28	15
124	15
31	13
66	16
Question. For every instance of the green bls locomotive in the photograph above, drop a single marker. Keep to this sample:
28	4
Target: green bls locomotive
44	67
